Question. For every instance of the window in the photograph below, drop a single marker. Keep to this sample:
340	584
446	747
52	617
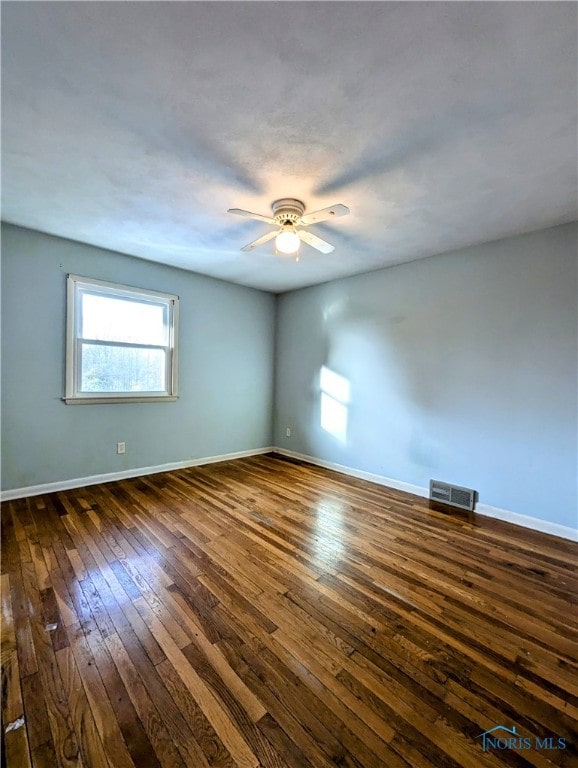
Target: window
121	343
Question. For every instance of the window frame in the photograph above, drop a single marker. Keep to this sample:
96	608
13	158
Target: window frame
73	395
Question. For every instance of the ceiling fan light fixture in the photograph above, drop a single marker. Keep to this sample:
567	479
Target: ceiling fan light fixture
287	241
291	222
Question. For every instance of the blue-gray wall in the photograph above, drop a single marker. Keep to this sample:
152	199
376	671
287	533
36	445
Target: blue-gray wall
225	362
462	367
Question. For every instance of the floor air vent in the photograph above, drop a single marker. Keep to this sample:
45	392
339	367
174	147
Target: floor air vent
455	495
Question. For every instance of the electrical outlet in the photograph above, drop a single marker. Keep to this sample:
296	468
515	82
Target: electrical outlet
121	447
288	432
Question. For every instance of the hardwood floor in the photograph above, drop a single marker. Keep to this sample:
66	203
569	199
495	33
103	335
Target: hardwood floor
264	612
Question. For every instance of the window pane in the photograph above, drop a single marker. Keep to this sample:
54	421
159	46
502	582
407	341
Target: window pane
108	318
122	369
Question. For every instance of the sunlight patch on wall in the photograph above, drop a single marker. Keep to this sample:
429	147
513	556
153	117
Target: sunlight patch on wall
335	393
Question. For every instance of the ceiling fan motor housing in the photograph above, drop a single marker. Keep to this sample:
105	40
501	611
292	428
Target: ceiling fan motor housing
287	210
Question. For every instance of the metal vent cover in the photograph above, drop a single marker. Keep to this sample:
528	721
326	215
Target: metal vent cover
454	495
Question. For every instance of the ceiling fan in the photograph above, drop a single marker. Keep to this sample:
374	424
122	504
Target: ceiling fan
289	219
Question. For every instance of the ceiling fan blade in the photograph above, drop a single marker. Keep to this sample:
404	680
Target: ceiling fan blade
325	213
261	240
315	242
249	215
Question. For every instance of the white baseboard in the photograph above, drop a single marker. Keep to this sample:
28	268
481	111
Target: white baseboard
535	523
109	477
505	515
417	490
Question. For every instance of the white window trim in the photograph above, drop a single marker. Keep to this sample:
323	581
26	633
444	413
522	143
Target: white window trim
72	396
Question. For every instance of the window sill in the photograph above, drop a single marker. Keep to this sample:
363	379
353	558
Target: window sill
114	400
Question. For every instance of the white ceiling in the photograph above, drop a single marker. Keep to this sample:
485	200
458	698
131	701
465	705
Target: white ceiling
134	126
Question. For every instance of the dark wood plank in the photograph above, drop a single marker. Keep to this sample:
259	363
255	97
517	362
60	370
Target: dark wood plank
266	613
15	736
